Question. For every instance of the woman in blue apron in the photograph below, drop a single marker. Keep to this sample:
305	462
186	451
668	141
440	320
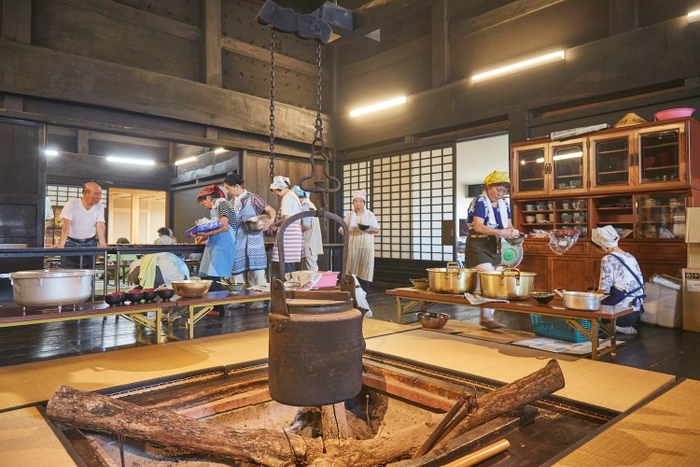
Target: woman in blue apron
620	276
489	220
220	250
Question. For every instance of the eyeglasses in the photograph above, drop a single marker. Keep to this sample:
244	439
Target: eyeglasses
501	190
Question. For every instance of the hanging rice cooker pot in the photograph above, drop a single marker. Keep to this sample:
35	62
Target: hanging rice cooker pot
452	279
507	284
51	287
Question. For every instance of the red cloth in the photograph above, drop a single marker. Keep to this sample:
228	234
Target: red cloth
211	189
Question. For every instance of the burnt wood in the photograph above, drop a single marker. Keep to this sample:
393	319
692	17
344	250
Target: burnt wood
63	76
518	126
181	11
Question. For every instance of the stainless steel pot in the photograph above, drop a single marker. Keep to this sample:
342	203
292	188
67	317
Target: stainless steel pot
583	301
51	287
507	284
452	279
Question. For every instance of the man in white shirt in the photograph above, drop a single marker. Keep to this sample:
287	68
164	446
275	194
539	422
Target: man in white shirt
83	226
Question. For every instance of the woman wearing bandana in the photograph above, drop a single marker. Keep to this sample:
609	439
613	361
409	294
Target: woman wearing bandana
251	259
489	220
220	250
293	241
620	277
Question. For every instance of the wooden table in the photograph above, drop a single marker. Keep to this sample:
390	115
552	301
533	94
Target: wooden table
197	308
18	316
554	309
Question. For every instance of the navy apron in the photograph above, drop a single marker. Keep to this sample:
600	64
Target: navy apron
617	295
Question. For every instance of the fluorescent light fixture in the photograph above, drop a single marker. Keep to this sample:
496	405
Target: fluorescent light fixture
51	152
185	161
219	150
549	58
694	16
380	106
128	160
573	155
539	160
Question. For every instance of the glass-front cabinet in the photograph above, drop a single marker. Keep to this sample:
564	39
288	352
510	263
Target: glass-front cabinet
639	158
529	169
550	168
568	167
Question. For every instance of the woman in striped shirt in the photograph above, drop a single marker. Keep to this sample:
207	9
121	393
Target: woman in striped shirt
293	239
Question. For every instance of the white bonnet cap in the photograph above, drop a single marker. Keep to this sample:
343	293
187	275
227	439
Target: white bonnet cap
279	183
605	236
361	194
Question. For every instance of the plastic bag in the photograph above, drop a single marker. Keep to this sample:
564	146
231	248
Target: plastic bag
561	240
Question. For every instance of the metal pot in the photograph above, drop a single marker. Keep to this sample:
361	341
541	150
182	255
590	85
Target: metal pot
584	301
51	287
452	279
507	284
253	223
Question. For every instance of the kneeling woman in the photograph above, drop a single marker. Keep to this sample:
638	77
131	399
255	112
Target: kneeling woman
620	276
220	251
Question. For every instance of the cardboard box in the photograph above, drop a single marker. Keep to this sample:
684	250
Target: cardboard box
692	225
663	306
694	255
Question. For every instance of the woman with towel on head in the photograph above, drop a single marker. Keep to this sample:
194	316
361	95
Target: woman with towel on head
220	250
620	276
293	239
489	220
361	240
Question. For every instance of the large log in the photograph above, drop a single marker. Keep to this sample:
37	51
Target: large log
100	413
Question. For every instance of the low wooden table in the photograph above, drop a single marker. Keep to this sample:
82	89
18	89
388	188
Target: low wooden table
554	309
197	308
18	316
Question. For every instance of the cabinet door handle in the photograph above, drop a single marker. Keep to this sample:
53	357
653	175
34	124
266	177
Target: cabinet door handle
631	159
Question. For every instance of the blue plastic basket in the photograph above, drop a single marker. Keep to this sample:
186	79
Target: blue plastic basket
556	328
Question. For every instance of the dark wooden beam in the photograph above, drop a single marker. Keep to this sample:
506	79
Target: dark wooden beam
83	142
13	103
387	58
381	13
135	16
212	43
624	16
440	43
617	64
229	138
33	71
17	21
263	55
504	14
518	129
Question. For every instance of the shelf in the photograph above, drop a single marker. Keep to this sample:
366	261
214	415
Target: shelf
657	146
665	167
556	177
614	208
614	172
531	179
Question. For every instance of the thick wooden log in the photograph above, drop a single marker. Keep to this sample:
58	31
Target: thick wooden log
334	423
511	396
103	414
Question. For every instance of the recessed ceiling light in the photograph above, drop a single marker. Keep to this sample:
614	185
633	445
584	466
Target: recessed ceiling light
533	62
380	106
129	160
185	161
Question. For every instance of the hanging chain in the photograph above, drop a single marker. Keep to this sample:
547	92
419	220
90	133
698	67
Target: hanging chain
272	106
318	135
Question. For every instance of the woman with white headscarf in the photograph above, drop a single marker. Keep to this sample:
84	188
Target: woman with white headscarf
620	276
489	220
362	227
311	229
293	239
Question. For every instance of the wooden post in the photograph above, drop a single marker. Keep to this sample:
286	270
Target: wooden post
212	43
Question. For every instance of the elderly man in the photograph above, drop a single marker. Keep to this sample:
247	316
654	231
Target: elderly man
83	226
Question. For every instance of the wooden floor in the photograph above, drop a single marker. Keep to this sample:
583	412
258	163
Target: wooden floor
670	351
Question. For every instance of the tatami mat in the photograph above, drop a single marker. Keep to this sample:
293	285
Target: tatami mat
606	385
662	433
27	441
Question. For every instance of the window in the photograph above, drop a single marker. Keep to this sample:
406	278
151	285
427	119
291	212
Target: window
410	194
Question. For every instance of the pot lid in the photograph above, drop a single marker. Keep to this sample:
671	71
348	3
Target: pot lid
53	273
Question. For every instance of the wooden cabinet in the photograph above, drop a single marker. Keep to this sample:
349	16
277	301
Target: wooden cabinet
654	156
639	179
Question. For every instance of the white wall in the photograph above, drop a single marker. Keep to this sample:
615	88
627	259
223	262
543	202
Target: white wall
476	159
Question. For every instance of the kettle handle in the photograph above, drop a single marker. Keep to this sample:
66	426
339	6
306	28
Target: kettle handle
279	303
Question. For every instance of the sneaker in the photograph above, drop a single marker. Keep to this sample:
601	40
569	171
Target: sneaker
233	306
257	305
369	314
629	330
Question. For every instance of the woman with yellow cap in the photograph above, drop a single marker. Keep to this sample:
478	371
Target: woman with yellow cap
489	221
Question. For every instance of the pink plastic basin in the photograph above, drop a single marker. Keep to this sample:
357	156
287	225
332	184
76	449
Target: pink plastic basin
670	114
328	279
